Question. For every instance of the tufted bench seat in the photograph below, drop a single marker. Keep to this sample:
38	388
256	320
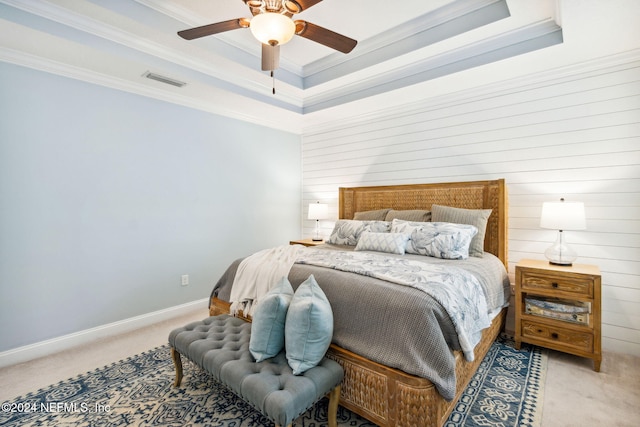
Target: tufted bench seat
220	346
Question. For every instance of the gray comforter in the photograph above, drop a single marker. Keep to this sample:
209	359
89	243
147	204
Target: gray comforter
395	325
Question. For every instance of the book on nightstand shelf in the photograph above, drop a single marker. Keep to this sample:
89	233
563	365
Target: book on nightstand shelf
556	308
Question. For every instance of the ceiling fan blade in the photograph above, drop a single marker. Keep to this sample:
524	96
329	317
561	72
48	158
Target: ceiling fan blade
324	36
270	57
218	27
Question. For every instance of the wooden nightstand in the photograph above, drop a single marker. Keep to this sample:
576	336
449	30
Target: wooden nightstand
574	286
307	242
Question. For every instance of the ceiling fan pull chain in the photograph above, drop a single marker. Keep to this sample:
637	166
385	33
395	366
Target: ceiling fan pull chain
273	84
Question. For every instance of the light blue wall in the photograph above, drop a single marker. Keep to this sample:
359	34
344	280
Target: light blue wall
107	198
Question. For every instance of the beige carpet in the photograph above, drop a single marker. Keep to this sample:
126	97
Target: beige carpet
574	395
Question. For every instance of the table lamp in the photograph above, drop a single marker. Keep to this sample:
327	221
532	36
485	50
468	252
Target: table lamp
317	211
562	216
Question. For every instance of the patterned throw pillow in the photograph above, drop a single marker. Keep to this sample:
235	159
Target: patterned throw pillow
442	240
402	226
393	243
347	231
476	217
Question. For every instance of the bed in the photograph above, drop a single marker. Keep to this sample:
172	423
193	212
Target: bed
383	393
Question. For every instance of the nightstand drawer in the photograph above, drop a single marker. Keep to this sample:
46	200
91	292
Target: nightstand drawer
579	286
556	335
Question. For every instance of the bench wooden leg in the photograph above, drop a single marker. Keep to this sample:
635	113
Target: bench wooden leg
177	361
332	412
334	398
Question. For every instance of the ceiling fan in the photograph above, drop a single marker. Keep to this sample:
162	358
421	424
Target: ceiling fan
273	26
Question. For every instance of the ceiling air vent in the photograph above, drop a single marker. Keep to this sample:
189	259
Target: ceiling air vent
163	79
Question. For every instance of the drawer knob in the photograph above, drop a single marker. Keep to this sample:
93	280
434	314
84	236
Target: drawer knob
554	285
554	336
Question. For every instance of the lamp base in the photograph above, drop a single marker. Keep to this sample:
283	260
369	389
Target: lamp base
560	253
563	264
317	238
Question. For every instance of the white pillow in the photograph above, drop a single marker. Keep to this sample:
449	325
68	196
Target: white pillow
476	217
442	240
402	226
348	231
393	243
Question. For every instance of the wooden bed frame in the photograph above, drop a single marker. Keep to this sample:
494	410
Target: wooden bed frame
388	396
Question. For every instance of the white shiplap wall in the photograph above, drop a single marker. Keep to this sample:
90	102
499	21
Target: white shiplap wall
573	133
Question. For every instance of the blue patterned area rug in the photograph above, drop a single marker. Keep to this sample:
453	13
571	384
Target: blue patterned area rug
506	391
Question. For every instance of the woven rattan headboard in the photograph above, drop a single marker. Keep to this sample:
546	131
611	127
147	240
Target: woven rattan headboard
469	195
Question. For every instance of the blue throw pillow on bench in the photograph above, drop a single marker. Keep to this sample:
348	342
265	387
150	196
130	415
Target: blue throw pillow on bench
308	328
268	322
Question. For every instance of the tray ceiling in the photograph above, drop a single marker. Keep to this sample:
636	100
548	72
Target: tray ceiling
400	44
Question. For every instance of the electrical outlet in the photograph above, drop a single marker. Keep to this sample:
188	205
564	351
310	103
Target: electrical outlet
185	279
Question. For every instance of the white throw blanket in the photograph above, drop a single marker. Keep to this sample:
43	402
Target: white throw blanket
258	273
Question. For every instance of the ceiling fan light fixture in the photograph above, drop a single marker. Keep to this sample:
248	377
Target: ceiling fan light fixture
272	28
292	6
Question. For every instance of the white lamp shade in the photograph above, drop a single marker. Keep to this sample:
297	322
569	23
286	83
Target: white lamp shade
563	216
272	28
318	211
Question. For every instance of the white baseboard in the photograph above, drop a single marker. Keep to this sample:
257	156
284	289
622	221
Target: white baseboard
54	345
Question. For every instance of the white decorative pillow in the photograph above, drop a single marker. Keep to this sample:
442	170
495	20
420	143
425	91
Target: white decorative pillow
309	327
476	217
393	243
402	226
348	231
442	240
267	326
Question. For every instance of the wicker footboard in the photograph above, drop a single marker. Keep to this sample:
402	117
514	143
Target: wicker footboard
390	397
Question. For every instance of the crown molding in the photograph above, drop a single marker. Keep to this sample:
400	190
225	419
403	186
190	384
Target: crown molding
286	122
516	42
337	80
448	21
230	75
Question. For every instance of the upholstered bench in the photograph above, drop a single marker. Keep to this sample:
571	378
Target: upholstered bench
220	346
